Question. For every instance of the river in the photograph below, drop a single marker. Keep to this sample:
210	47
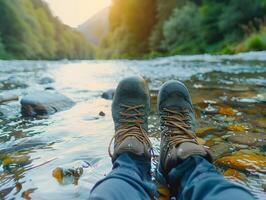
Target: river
228	92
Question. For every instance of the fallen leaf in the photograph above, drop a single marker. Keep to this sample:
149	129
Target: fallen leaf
58	174
234	173
227	111
237	127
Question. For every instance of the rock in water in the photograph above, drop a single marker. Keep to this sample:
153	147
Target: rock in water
46	80
44	103
109	94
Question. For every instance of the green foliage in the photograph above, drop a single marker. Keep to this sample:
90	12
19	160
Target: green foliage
163	12
182	31
149	28
255	42
131	23
29	31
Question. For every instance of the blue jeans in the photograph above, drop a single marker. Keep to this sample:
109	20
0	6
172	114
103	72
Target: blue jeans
194	179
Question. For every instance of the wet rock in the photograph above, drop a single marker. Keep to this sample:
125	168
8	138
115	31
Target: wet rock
26	194
102	113
244	160
249	138
12	82
109	94
44	103
261	122
8	98
67	176
46	80
221	149
49	88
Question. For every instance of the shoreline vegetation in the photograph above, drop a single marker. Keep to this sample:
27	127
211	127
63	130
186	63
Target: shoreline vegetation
137	30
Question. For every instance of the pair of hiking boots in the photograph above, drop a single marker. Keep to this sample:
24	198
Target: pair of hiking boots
130	110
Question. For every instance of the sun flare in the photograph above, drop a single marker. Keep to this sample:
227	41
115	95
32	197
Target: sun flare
75	12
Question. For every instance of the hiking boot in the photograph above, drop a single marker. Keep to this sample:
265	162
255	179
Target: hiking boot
177	124
130	109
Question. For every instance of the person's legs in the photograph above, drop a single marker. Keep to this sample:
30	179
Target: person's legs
185	165
197	179
130	177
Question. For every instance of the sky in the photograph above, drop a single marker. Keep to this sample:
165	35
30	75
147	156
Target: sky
75	12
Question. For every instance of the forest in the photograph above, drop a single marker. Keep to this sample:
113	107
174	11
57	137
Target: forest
28	30
152	28
137	29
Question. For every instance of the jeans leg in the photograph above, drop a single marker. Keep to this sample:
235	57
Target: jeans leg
198	180
129	179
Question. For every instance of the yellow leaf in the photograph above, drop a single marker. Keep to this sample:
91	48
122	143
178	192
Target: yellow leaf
227	111
237	127
58	174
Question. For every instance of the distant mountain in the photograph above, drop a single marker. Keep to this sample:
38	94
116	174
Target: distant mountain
95	28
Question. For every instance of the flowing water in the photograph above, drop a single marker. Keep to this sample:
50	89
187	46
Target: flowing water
228	92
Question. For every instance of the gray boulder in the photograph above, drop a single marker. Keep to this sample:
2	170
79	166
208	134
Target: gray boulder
44	103
109	94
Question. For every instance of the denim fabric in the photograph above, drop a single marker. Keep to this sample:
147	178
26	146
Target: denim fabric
194	179
129	179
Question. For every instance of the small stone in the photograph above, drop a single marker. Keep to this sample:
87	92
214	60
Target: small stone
109	94
102	114
46	80
67	176
249	138
49	88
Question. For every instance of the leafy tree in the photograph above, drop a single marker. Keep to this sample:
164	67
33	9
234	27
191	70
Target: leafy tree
30	31
182	30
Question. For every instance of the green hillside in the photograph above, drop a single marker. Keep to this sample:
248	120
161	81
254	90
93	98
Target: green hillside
167	27
28	30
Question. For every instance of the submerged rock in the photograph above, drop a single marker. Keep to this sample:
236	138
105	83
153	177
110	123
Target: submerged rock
221	149
12	82
109	94
44	103
249	138
46	80
8	98
243	160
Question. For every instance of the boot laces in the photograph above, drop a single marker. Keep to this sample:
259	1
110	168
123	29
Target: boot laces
178	127
131	121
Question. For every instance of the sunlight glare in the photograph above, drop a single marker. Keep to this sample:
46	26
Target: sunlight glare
76	12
